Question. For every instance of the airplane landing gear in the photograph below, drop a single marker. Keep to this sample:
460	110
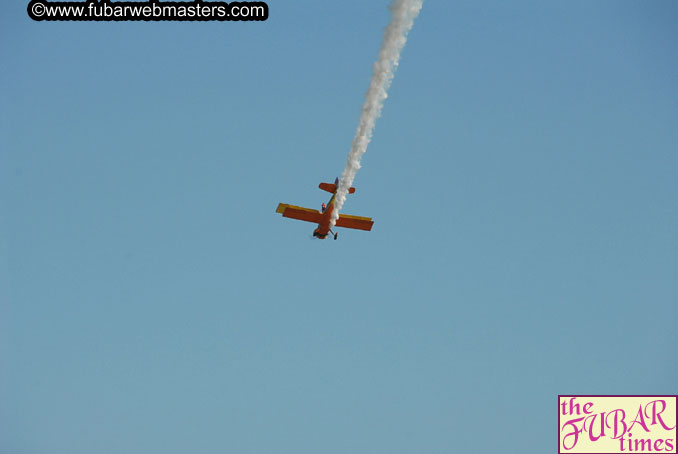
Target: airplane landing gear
335	236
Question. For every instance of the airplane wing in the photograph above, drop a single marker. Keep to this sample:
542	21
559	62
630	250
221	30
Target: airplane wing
300	213
354	222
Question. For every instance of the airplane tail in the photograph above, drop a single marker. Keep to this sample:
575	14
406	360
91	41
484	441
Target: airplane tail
332	187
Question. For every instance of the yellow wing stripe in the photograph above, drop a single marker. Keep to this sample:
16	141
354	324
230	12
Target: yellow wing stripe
359	218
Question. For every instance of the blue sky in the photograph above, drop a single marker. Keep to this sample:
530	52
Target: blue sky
522	180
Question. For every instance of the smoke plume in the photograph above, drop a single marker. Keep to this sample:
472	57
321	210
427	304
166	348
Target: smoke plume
403	13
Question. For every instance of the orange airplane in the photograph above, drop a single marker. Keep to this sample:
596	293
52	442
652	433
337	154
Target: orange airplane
322	218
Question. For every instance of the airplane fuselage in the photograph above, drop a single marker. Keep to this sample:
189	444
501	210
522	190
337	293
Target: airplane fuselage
323	228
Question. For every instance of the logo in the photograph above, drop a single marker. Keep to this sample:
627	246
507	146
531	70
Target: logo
617	424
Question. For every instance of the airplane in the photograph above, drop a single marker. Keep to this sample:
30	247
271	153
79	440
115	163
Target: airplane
322	218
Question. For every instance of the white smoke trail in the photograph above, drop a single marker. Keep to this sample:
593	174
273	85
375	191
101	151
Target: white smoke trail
403	13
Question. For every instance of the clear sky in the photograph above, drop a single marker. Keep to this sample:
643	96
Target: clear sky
522	180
